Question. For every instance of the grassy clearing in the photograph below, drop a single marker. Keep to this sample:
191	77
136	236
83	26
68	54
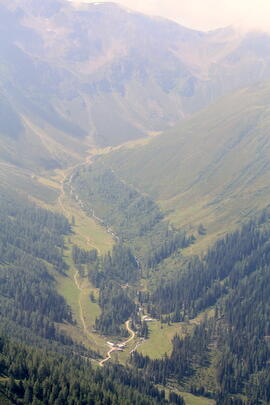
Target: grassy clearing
189	398
194	400
67	288
84	311
161	335
87	233
160	338
91	311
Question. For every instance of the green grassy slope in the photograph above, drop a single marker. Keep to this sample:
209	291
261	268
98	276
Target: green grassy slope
211	169
31	141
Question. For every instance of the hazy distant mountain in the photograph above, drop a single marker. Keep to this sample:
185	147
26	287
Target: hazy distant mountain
102	74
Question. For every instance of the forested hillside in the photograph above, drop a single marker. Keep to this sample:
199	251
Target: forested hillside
233	277
31	253
30	376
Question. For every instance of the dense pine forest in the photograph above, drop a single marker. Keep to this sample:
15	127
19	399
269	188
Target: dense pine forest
206	279
117	307
31	251
30	376
233	277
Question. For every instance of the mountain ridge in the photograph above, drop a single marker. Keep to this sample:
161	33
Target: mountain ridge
78	65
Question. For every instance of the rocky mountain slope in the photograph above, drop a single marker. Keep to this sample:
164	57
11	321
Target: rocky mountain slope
100	74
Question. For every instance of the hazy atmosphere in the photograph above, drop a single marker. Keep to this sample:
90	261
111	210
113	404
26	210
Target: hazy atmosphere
134	202
208	14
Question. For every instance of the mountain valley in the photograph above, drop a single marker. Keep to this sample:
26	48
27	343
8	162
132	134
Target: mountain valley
134	209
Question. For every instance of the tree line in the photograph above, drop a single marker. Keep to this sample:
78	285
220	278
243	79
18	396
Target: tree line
32	376
235	277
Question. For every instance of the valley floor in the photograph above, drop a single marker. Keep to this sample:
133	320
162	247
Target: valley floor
88	233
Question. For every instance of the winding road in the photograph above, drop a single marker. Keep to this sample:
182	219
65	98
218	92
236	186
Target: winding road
108	356
114	349
130	331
